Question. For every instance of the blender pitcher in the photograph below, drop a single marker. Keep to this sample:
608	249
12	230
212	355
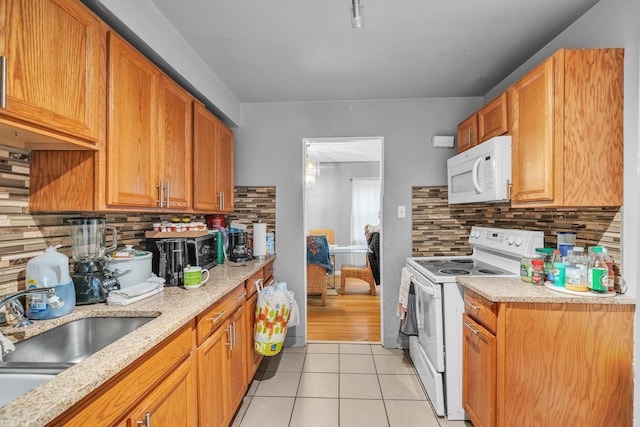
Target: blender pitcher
88	239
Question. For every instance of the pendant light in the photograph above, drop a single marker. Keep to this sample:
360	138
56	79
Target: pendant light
357	19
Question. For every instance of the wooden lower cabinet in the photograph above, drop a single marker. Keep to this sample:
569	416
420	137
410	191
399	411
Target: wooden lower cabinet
551	364
161	384
479	373
221	362
172	403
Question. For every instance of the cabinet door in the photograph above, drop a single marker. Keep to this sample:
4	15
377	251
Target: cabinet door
132	147
55	59
534	171
478	373
205	129
237	375
172	403
212	370
175	144
468	133
224	164
212	163
492	118
253	358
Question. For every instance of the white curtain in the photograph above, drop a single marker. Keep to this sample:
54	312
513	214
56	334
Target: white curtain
365	207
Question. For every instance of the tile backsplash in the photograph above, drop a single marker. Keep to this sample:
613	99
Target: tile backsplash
24	235
440	229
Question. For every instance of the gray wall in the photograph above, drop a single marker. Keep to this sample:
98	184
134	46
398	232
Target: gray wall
269	151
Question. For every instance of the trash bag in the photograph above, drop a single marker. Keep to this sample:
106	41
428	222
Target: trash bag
273	312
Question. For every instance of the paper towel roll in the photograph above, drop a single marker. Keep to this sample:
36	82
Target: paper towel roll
259	240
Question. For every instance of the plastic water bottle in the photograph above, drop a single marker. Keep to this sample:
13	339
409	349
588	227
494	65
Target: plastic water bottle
576	270
51	269
598	271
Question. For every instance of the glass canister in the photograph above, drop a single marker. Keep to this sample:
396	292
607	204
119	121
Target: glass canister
546	254
525	266
537	272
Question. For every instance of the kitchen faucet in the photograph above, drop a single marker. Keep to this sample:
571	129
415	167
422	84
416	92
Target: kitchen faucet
15	306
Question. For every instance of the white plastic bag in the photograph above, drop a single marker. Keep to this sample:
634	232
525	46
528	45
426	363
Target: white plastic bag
273	312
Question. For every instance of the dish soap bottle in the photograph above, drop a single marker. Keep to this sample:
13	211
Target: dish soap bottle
51	269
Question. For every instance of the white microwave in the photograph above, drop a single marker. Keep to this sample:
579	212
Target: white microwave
481	173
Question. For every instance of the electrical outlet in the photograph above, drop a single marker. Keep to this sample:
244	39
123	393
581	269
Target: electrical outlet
401	212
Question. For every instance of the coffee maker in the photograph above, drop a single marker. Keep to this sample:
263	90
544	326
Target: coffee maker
238	249
91	279
173	258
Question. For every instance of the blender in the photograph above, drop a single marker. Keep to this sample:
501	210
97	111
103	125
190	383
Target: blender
91	279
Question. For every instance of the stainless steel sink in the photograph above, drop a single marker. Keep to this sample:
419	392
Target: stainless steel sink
70	343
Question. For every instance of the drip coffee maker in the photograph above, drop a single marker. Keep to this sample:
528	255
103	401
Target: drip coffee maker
173	259
238	249
91	279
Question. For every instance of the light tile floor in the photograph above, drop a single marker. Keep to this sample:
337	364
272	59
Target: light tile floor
338	385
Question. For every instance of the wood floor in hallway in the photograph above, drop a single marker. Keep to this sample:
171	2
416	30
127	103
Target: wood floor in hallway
352	317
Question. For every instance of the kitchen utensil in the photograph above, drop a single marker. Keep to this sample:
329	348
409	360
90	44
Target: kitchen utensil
91	279
129	265
238	249
194	277
173	259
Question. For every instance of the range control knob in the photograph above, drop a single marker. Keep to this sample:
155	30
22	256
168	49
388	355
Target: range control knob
511	239
518	241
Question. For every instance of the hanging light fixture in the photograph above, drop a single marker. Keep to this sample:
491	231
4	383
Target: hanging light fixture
357	19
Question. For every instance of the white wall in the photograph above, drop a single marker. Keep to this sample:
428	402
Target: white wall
269	151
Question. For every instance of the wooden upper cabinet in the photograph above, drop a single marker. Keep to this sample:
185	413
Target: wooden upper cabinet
133	175
149	147
567	134
468	133
55	70
492	118
212	163
176	128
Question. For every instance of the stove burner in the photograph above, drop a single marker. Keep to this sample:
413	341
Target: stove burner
462	261
487	271
454	272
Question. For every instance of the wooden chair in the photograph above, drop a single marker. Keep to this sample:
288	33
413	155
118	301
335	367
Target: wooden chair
362	272
317	282
331	239
327	232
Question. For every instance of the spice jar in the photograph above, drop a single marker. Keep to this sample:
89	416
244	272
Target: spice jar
525	266
537	271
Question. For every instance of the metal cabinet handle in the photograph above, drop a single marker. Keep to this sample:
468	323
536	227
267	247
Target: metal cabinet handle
221	200
219	315
168	188
469	138
147	420
471	305
161	193
3	89
241	297
475	331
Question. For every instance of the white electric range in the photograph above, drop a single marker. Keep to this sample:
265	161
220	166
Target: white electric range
437	350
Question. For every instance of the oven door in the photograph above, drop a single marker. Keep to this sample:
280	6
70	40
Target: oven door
430	320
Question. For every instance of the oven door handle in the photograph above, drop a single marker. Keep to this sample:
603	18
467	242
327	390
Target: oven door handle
427	289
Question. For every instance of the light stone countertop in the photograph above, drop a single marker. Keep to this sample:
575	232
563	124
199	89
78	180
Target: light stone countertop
515	290
173	308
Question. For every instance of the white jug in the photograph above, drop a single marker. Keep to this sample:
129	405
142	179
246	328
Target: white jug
47	270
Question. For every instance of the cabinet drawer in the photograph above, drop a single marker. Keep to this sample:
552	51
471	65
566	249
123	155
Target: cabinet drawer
211	319
250	284
268	272
481	309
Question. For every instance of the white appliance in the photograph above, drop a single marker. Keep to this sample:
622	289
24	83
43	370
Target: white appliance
481	173
437	350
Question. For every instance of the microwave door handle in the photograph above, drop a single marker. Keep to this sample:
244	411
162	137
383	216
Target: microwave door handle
474	175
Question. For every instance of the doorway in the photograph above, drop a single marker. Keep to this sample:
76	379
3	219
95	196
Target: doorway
342	194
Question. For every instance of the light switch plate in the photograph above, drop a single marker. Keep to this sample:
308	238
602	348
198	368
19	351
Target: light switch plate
401	212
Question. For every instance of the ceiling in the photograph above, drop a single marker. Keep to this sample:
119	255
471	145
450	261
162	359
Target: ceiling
336	150
305	50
